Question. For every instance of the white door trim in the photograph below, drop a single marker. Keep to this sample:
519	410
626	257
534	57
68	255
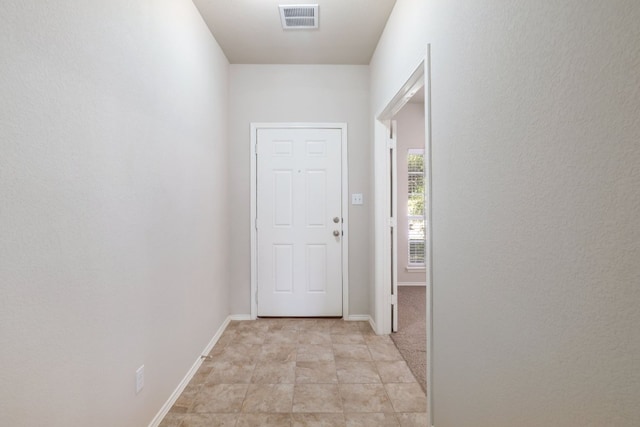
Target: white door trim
345	207
382	246
392	146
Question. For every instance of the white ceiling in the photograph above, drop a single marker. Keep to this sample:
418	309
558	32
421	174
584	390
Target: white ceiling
249	31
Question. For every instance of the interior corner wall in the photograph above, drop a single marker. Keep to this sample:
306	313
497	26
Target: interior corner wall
535	124
299	93
409	135
113	218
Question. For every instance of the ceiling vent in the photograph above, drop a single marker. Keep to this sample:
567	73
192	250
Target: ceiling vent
299	16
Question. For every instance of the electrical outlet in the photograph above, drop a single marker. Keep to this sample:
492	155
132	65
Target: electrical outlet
139	379
356	199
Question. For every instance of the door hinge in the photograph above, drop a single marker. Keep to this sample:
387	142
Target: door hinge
256	297
393	222
391	144
255	224
394	299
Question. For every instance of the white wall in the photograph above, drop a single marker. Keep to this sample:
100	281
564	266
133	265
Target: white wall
410	135
299	93
112	216
536	123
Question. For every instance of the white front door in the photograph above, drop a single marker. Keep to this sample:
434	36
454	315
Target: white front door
299	222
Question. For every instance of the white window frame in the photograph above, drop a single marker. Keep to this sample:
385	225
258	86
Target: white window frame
415	265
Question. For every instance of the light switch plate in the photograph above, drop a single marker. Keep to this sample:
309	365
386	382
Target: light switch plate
356	199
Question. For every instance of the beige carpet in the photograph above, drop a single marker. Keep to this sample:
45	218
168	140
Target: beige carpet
411	338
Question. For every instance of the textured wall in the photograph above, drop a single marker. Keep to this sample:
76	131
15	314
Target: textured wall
536	130
112	214
299	93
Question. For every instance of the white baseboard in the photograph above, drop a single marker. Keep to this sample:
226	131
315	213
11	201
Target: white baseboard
362	318
357	318
240	317
185	381
412	283
373	325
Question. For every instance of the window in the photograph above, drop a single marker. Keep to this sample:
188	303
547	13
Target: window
415	208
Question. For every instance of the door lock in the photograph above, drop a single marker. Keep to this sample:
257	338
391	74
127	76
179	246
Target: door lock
336	233
336	219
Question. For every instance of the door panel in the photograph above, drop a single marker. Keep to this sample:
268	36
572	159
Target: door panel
316	268
299	268
283	268
282	198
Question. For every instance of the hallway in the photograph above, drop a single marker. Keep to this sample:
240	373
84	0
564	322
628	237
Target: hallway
301	372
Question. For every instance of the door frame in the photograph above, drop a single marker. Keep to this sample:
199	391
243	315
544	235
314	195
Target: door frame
421	77
385	251
344	208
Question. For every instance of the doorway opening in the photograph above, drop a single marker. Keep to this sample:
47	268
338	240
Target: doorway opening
419	244
409	237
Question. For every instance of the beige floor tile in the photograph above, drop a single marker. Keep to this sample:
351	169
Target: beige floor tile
209	420
230	372
249	337
347	339
278	353
314	353
352	352
357	372
395	372
268	322
344	327
303	373
364	398
371	420
283	324
216	351
316	373
232	326
264	420
385	352
268	398
317	398
172	419
314	337
407	397
317	324
185	400
238	352
419	419
317	420
226	338
274	373
366	329
282	336
249	326
220	398
370	339
201	375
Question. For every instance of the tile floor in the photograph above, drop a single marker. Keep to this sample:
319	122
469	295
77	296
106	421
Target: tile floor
301	372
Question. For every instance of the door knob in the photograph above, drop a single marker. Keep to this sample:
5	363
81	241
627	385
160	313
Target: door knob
336	219
336	233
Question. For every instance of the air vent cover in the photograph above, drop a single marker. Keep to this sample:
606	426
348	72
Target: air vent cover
299	16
